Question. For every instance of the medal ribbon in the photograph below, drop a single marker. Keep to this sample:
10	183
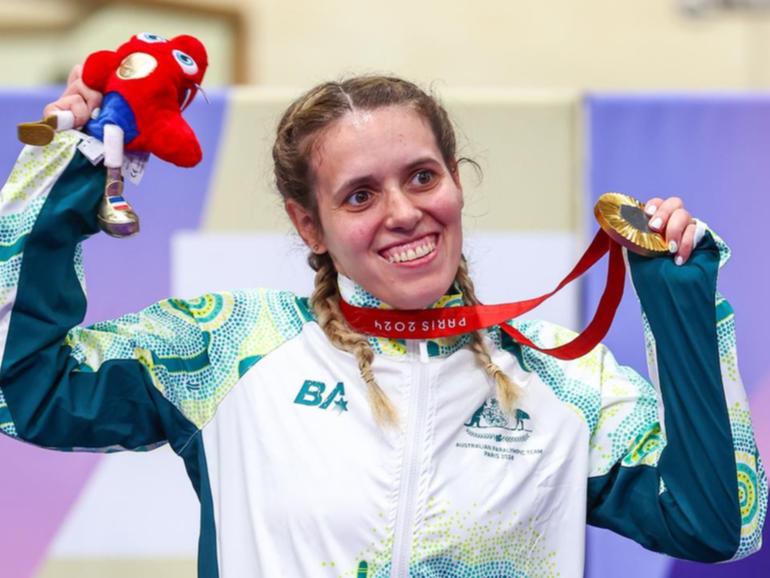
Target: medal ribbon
447	321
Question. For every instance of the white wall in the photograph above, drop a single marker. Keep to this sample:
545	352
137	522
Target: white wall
528	43
555	44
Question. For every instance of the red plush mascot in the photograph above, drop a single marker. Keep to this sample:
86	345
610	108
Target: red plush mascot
146	83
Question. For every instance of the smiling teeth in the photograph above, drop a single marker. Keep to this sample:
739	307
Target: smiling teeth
412	254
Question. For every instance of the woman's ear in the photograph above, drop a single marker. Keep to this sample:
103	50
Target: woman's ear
454	170
305	223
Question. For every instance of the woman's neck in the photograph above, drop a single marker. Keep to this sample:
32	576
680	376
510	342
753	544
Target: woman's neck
356	295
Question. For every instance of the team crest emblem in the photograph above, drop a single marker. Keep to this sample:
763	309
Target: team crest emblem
490	416
499	435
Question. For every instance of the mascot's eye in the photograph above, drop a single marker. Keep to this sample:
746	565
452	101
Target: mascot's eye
186	62
149	37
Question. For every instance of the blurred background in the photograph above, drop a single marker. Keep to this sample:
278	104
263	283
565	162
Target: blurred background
598	44
557	100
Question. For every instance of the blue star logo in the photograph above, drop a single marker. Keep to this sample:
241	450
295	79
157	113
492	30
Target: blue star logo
341	404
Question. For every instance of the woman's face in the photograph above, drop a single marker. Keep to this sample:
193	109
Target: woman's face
389	207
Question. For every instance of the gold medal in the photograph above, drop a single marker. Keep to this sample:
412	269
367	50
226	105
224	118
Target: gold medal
624	220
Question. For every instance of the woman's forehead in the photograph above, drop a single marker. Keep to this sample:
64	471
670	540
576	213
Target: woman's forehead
370	140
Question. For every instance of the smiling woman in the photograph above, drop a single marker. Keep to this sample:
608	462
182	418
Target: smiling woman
319	451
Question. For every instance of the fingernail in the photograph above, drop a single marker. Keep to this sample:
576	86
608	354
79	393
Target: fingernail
650	210
672	246
656	223
679	260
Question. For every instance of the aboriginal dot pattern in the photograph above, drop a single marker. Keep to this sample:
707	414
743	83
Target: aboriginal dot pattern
22	197
193	348
726	339
590	385
464	544
724	251
6	420
752	482
646	448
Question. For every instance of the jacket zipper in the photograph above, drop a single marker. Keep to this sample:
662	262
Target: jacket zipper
412	462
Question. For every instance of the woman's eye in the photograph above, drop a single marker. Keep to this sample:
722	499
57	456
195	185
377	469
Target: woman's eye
423	177
359	198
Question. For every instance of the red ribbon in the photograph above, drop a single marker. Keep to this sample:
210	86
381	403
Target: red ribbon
447	321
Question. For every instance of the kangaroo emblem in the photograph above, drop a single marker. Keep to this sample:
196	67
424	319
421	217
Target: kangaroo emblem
475	420
489	415
520	415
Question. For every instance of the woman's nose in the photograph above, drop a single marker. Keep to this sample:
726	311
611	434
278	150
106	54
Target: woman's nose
403	213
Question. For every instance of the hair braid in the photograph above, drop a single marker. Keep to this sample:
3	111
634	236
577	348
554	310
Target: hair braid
325	302
507	391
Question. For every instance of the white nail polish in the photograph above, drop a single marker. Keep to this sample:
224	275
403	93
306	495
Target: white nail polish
656	223
650	210
672	246
678	260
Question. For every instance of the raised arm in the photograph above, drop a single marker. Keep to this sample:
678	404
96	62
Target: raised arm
63	387
130	383
674	466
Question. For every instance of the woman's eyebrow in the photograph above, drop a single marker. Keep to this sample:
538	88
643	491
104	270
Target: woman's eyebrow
422	161
355	182
363	180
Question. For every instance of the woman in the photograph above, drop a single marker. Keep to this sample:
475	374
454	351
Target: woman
318	451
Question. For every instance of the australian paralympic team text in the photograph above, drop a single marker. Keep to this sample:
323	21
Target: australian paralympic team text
424	325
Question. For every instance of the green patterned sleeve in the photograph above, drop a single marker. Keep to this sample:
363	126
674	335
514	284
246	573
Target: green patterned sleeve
674	464
132	383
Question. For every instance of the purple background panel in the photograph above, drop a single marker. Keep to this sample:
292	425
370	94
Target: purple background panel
39	487
711	150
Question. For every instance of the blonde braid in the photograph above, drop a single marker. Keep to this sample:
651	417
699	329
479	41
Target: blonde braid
325	302
507	391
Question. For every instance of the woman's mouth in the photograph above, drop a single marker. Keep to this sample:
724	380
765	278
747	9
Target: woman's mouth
411	251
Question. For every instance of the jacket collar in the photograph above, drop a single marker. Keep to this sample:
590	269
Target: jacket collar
356	295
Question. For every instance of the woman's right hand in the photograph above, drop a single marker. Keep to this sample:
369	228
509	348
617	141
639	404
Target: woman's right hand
77	98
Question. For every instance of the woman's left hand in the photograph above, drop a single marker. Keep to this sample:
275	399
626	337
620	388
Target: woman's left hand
669	218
